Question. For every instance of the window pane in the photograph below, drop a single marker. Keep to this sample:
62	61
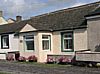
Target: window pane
67	41
29	41
65	44
30	45
29	37
5	41
70	44
45	36
67	35
45	44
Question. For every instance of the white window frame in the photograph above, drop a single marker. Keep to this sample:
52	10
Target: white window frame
48	39
67	38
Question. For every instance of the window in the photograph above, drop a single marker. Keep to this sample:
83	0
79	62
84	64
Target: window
29	42
46	42
67	41
4	41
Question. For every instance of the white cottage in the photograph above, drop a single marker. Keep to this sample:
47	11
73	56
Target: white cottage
58	33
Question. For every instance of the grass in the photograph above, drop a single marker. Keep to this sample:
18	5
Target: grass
45	65
4	73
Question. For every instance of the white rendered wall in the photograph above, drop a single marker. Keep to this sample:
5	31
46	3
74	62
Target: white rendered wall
13	44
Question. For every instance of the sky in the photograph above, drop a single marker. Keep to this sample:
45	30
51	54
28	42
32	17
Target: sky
30	8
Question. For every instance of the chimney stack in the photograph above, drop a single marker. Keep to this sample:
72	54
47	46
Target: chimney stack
18	18
1	13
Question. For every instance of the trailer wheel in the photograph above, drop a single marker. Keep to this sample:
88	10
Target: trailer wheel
82	64
89	64
94	64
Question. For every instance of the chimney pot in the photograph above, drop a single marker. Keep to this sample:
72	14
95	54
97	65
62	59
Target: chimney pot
18	18
1	13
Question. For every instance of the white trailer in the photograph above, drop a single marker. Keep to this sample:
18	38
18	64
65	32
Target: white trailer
87	58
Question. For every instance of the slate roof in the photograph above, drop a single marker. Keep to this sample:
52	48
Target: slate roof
64	19
12	27
95	12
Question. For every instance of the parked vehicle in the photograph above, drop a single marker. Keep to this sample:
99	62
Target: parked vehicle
86	58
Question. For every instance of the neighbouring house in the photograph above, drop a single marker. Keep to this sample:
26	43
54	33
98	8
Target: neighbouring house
2	20
10	20
93	22
18	19
57	33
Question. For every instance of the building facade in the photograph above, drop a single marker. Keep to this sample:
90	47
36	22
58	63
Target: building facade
61	32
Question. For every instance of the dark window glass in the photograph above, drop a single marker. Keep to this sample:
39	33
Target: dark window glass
4	41
67	41
30	45
29	41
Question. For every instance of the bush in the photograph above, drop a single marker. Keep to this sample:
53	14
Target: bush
32	58
50	60
21	59
63	60
10	57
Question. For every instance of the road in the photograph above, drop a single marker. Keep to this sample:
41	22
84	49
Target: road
19	68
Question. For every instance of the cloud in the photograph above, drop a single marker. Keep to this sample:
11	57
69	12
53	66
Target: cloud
77	4
11	6
22	5
16	2
26	8
83	2
19	7
59	3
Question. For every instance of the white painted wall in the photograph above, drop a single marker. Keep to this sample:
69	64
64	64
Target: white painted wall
13	44
43	53
17	44
23	51
57	44
3	56
27	28
80	40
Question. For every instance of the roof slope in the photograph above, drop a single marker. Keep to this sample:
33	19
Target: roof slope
3	21
95	12
58	20
63	19
12	27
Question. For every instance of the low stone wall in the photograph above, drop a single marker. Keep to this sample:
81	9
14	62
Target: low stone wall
59	58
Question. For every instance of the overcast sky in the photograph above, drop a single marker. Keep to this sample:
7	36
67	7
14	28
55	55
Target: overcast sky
29	8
